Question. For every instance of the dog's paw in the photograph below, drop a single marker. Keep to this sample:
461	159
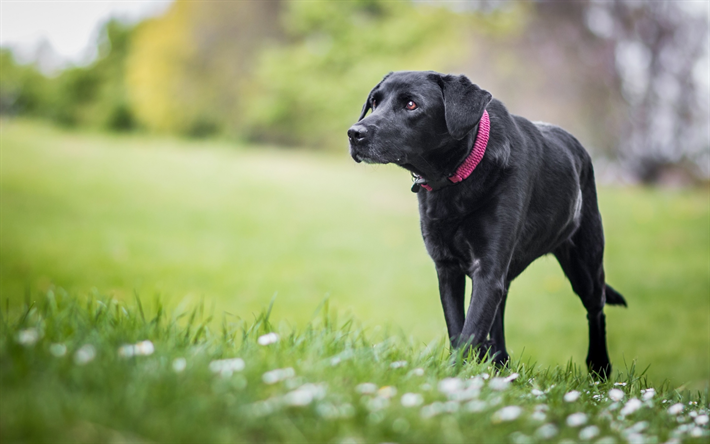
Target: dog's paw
501	359
600	370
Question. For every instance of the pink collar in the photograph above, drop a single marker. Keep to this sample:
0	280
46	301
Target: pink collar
474	158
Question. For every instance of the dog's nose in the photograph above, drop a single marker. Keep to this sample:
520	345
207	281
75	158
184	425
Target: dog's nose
357	133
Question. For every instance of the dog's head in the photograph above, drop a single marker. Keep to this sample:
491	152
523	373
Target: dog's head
416	115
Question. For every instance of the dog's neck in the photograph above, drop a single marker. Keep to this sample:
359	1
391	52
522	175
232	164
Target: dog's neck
456	167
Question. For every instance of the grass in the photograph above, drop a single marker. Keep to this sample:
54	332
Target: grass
232	226
69	373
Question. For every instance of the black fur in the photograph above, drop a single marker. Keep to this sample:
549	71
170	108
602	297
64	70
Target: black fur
532	194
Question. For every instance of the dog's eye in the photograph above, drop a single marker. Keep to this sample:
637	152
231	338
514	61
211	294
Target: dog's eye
374	104
411	105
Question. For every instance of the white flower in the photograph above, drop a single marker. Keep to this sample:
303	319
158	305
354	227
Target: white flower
225	367
262	408
546	431
637	428
606	440
416	372
485	375
304	395
58	350
498	384
451	406
465	395
576	419
588	432
279	374
631	406
508	413
432	409
28	337
537	392
268	338
366	388
675	409
377	403
616	394
476	406
327	410
85	354
512	377
648	394
450	385
411	399
682	429
623	384
635	438
387	392
179	364
696	432
571	396
538	416
701	419
475	382
398	364
143	348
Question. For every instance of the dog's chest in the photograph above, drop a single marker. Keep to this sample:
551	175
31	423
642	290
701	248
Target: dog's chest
446	242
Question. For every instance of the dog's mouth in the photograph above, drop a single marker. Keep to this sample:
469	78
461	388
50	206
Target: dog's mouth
364	158
358	158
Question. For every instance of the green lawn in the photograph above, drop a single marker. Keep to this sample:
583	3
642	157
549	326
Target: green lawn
100	370
192	221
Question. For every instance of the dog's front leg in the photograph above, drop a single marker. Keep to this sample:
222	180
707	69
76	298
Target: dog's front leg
486	296
452	286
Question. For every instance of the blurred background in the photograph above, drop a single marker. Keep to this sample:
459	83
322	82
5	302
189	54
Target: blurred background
196	151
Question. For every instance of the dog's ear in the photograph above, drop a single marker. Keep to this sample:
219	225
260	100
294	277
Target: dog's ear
464	104
368	103
366	107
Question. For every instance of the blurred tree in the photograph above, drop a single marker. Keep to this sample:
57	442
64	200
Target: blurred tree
628	78
23	89
551	68
293	73
661	49
311	89
94	95
188	68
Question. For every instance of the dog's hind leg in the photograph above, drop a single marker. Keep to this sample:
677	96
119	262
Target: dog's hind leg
581	259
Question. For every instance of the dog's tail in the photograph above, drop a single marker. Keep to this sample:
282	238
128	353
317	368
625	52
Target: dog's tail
613	297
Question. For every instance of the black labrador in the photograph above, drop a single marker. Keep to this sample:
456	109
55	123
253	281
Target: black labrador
496	192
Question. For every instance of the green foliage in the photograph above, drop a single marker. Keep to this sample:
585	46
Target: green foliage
290	72
95	96
91	96
23	89
188	67
309	90
100	370
203	220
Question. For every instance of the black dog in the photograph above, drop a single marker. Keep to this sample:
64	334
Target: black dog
532	193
